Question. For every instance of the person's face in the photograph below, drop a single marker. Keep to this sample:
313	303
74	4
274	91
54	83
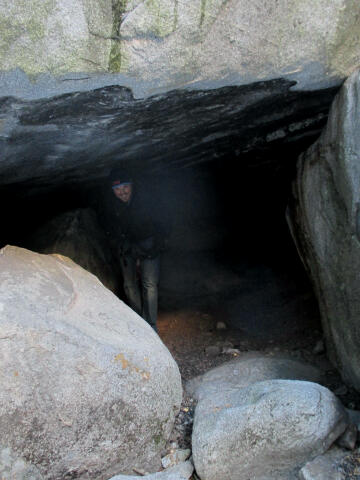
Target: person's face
123	192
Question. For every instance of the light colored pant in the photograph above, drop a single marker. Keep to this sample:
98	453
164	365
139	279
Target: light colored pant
142	293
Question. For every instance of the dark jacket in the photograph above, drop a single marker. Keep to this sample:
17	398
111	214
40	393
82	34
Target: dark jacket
139	227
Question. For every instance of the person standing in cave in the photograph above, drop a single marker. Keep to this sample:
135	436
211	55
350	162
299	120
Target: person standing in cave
138	230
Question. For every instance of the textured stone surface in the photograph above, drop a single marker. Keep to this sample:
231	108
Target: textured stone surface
55	36
76	138
176	457
166	44
324	467
13	467
266	431
348	438
239	41
326	224
247	370
87	387
183	471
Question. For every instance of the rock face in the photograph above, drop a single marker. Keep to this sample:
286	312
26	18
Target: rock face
166	44
237	40
247	370
76	138
77	235
60	55
325	221
265	431
13	467
87	388
55	35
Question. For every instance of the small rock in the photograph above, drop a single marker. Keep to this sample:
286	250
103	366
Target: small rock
182	471
231	351
319	348
140	471
348	438
221	326
342	390
175	458
324	467
212	350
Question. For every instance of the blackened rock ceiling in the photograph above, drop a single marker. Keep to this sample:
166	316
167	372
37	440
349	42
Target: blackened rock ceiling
76	138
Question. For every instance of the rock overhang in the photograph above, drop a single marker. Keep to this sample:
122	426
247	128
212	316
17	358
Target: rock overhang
240	64
75	138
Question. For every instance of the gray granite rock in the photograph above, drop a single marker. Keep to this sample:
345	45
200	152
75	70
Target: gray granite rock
55	36
248	369
178	456
13	467
166	44
348	438
182	471
324	467
87	387
266	431
325	221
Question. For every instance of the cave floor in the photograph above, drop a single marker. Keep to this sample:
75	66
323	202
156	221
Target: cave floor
193	337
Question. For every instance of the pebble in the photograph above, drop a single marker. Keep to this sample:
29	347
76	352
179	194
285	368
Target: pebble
175	457
230	351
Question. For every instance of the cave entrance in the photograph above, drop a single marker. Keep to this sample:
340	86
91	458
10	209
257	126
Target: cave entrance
231	277
224	160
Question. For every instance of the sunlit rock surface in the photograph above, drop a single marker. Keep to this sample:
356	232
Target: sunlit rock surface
326	224
167	44
88	390
265	431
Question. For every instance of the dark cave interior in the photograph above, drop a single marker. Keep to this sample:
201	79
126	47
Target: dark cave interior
223	169
230	247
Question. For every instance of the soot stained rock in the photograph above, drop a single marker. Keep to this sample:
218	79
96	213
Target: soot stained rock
47	142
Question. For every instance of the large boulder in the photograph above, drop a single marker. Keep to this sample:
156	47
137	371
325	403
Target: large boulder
237	41
325	221
164	44
87	389
266	431
250	368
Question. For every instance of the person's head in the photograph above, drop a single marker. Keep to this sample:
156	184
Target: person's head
121	184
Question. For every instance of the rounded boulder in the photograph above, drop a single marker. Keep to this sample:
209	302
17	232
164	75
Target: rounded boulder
87	388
